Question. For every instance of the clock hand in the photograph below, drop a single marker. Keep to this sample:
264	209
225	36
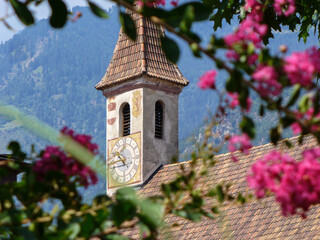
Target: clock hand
114	162
121	158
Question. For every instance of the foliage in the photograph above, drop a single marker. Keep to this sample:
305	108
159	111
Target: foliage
252	69
24	209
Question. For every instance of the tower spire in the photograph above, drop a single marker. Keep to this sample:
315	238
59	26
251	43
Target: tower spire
144	56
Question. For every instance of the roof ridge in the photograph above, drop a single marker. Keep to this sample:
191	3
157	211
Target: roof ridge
226	154
143	47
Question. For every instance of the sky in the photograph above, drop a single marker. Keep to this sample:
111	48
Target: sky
41	11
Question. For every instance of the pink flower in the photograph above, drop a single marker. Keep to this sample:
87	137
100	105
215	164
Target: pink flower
253	5
296	128
232	55
301	67
241	143
264	174
252	59
295	184
174	3
250	32
235	101
314	55
151	3
307	116
284	7
208	80
54	159
266	77
249	104
83	139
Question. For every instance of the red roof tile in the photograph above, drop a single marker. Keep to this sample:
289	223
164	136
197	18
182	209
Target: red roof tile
255	220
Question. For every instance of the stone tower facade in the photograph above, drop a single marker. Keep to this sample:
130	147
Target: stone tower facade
142	89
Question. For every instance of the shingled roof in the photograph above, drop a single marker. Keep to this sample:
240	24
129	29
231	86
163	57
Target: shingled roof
144	56
255	220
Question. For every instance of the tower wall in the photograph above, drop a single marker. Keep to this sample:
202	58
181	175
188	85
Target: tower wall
142	94
157	151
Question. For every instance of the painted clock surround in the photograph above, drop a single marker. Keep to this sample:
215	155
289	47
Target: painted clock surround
124	161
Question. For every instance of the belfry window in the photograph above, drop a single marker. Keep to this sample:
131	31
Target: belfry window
158	133
126	120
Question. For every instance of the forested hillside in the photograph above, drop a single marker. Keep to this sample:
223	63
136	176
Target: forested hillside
51	74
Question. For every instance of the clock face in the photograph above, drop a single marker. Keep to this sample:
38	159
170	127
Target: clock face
124	160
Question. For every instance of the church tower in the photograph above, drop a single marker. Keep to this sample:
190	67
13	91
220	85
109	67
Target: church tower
142	89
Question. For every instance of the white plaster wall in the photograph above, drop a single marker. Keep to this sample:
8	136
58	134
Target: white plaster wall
114	130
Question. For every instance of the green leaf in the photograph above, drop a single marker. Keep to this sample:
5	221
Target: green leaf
220	193
241	198
215	209
316	103
288	143
171	49
287	121
5	218
87	225
25	232
115	237
233	84
248	126
208	215
295	95
275	135
128	26
190	213
22	12
261	111
152	212
16	151
212	193
195	49
144	231
73	230
187	20
176	15
126	206
14	147
127	194
59	13
243	96
166	190
100	199
305	103
97	10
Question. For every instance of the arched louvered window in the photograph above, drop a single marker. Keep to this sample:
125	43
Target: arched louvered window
126	119
158	133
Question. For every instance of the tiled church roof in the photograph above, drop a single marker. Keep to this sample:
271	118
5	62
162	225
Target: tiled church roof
144	56
255	220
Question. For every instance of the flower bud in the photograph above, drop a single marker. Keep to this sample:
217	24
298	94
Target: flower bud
283	48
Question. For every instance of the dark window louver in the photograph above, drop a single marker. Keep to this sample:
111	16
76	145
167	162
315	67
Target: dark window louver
126	120
158	121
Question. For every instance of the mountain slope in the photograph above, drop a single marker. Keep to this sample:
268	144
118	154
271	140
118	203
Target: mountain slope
51	74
